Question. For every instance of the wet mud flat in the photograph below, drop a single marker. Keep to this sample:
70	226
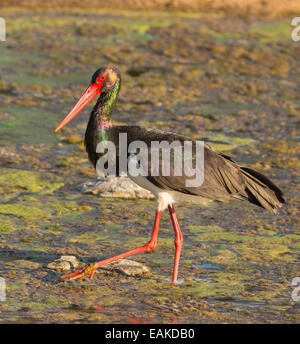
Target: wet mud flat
233	82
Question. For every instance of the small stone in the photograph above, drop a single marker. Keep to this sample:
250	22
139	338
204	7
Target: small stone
59	265
72	259
127	267
64	263
111	186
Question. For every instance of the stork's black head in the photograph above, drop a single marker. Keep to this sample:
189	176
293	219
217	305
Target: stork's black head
106	78
103	81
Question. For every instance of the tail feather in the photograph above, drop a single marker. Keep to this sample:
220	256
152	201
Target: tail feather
261	191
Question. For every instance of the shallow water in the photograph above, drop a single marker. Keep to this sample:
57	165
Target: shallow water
231	82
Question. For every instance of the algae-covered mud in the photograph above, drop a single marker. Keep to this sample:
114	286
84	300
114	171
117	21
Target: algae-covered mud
232	81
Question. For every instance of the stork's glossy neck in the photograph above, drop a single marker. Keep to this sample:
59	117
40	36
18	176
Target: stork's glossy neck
101	114
100	121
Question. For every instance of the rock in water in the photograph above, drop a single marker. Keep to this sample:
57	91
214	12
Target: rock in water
111	186
127	267
64	263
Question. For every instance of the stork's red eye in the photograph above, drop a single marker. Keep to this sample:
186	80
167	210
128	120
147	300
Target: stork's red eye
101	78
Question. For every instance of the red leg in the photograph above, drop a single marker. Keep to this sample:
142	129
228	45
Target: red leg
149	246
178	242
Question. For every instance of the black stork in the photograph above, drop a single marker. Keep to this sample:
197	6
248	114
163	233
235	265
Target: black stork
224	179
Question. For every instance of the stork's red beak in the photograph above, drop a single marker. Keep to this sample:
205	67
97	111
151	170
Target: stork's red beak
87	96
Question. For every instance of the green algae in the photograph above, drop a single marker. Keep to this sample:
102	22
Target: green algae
6	224
271	32
47	81
205	289
219	36
216	233
210	228
20	180
27	264
13	286
228	143
85	238
51	301
246	247
23	210
54	206
9	57
28	125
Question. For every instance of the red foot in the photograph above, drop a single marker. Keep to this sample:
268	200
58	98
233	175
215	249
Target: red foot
89	269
